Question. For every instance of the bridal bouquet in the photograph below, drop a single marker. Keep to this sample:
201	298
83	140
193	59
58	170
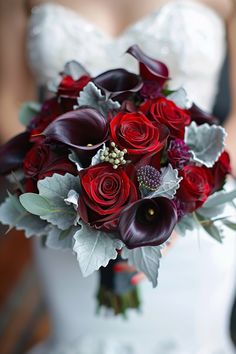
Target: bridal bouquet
109	166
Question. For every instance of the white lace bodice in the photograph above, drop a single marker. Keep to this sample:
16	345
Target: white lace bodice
193	46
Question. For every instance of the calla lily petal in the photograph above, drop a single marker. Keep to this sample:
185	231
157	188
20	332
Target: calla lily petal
13	153
83	129
147	222
150	69
118	82
201	117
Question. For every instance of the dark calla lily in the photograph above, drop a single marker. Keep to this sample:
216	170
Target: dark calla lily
150	69
118	83
83	129
13	153
200	117
147	222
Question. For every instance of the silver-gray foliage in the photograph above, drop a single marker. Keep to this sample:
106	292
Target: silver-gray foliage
50	203
206	142
94	249
93	97
170	182
14	215
144	259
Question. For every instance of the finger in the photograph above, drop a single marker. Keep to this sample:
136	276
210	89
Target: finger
137	278
123	267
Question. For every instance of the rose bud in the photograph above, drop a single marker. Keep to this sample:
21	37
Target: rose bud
84	129
45	160
153	72
147	222
135	133
105	192
118	83
220	170
69	90
168	113
195	187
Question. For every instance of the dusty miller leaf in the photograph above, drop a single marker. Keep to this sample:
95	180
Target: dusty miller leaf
144	259
206	142
169	183
180	98
14	215
94	249
61	239
93	97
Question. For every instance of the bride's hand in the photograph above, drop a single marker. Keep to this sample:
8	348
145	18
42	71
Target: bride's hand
123	266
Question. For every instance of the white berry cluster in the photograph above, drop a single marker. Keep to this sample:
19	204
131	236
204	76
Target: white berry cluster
113	155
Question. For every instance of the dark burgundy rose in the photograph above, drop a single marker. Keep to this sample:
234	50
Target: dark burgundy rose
13	153
220	170
69	90
166	112
135	133
45	160
118	83
178	153
105	192
147	222
200	117
195	187
153	72
50	110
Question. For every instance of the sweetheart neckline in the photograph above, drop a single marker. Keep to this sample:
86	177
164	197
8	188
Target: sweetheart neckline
132	24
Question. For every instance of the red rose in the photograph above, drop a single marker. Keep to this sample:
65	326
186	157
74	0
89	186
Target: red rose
50	110
220	170
105	192
195	187
135	133
43	161
166	112
69	90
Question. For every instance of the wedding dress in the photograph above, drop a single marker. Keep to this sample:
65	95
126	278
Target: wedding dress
189	311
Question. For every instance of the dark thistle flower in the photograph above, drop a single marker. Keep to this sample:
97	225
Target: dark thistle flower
149	178
178	153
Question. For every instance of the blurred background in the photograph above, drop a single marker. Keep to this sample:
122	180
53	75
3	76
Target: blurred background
23	314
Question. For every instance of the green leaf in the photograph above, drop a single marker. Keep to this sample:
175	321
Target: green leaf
35	204
60	239
28	110
219	198
229	224
210	227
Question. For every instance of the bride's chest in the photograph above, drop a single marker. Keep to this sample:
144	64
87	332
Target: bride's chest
189	37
